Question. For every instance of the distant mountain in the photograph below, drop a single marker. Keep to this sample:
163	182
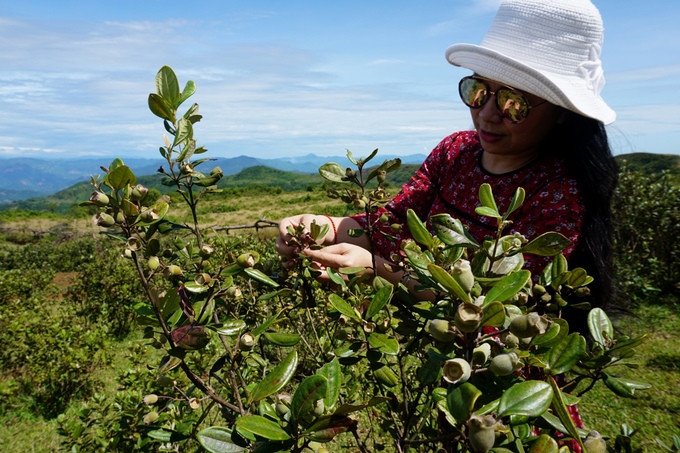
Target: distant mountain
23	178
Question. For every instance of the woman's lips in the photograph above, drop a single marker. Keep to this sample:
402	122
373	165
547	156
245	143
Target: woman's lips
489	137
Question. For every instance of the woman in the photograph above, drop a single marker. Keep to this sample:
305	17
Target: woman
534	98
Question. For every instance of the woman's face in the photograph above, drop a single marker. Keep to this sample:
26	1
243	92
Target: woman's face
502	138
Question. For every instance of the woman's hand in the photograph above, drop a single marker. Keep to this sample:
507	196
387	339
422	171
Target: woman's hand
287	248
337	256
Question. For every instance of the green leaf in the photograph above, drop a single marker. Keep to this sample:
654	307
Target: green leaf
461	400
565	355
387	166
276	379
189	90
493	314
515	203
547	244
260	276
310	390
327	427
600	326
386	376
120	177
185	132
418	229
332	172
229	328
261	426
451	231
487	212
508	286
217	439
343	307
349	408
623	387
160	108
383	343
544	444
333	374
530	398
559	408
487	199
448	282
167	85
380	299
283	339
259	330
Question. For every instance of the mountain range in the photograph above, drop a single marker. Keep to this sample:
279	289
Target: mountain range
23	178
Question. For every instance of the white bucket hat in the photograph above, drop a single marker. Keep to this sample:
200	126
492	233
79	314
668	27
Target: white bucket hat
549	48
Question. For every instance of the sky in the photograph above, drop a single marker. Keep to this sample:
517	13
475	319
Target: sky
289	78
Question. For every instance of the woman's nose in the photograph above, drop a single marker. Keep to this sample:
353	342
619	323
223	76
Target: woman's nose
489	111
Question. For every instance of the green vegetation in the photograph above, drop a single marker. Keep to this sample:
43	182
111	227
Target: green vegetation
168	333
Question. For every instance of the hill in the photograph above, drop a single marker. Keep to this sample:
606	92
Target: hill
253	178
649	163
23	178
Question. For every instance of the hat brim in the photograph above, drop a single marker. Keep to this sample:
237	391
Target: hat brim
568	92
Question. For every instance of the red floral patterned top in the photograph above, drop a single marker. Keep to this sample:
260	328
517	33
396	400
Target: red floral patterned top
448	182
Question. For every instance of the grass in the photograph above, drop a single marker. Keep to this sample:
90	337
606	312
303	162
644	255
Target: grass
655	413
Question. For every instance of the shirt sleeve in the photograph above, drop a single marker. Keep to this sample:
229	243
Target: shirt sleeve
417	194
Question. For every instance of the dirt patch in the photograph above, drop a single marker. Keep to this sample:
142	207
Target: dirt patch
64	279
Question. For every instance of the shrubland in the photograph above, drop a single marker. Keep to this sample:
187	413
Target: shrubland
166	333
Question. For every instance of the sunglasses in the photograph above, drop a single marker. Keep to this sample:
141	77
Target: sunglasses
512	104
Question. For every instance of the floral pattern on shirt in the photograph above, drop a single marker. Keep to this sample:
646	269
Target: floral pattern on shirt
448	181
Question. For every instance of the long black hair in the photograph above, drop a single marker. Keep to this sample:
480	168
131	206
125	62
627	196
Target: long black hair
585	146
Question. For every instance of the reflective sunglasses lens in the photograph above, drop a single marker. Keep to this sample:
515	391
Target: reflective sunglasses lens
512	105
473	92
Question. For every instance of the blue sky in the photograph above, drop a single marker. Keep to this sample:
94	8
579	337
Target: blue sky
288	78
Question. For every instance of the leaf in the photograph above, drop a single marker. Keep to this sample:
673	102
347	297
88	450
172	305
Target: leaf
461	400
451	231
189	90
383	343
185	131
386	376
623	387
120	177
260	276
282	339
515	203
380	299
343	307
160	108
447	282
560	409
259	330
333	374
167	86
349	408
229	328
565	355
387	166
418	229
332	172
276	379
493	314
310	390
261	426
217	439
600	326
327	427
486	198
530	398
488	212
508	286
544	444
547	244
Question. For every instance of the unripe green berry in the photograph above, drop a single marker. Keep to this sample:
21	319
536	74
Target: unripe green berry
440	329
594	443
505	364
456	371
246	260
99	199
150	417
481	433
153	263
462	274
468	317
247	341
150	399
